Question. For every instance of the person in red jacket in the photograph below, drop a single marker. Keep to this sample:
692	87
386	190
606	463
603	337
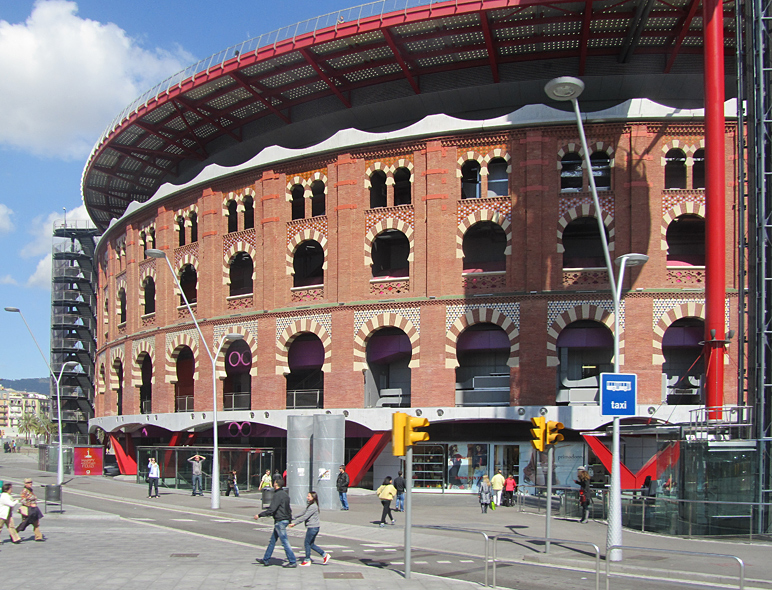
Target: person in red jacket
510	487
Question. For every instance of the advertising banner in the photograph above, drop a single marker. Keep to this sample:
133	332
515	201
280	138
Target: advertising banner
88	460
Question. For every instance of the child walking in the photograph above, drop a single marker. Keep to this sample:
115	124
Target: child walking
313	522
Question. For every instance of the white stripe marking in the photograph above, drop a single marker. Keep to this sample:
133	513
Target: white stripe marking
184	519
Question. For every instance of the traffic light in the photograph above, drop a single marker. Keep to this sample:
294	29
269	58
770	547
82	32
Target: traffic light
403	433
398	425
553	436
538	433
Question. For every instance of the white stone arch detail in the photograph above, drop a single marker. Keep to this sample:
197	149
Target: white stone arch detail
251	342
238	197
690	309
117	354
483	215
306	184
292	331
240	246
585	210
585	311
304	235
380	227
172	352
386	320
143	348
686	208
482	315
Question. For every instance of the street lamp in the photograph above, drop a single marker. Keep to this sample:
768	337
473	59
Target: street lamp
154	253
569	88
66	366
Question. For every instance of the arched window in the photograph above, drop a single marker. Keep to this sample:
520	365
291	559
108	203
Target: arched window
582	244
482	375
470	180
298	202
601	170
378	189
189	284
571	177
585	350
686	241
122	306
233	217
387	378
151	239
308	264
184	388
675	169
249	213
684	361
143	239
193	227
498	179
237	386
118	369
698	170
146	389
402	187
390	252
149	287
241	274
305	381
483	246
318	198
181	232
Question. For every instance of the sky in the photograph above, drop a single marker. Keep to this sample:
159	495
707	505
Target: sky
66	69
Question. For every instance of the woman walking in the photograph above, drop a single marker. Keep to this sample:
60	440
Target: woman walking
266	481
153	474
386	494
510	487
233	484
7	504
311	517
485	494
584	494
30	511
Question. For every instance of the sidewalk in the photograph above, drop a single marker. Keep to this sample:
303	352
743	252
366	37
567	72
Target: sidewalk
461	511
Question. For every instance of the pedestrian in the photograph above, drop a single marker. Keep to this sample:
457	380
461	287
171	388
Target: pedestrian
7	504
276	476
341	485
282	515
284	477
266	482
497	484
233	484
14	448
198	476
313	523
510	487
485	493
30	511
399	485
153	473
386	493
584	493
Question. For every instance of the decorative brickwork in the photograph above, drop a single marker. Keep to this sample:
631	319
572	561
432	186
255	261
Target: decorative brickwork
585	210
240	302
388	165
667	311
686	276
139	350
593	146
306	179
468	315
298	238
680	207
381	226
238	197
248	330
294	329
116	355
146	269
184	255
562	313
234	243
472	211
300	294
484	281
390	287
595	277
483	154
687	146
385	320
175	342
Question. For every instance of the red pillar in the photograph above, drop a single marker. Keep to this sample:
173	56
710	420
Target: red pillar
715	283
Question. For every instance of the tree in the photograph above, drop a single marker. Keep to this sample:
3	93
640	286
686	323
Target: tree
47	428
28	424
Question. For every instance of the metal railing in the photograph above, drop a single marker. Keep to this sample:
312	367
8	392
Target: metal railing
145	406
236	401
238	51
485	535
670	552
304	399
545	540
183	403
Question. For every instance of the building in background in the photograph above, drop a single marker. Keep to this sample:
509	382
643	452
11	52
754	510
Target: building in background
14	405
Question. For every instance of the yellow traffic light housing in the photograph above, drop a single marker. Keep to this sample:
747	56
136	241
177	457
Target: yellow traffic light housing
411	435
539	433
398	426
553	436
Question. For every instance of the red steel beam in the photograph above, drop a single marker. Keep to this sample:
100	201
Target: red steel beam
715	244
585	36
682	31
398	56
490	46
318	69
246	85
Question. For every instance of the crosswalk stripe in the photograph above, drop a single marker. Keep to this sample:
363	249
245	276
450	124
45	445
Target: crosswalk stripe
443	562
183	519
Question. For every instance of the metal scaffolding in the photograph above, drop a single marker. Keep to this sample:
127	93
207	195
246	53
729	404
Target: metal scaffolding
73	325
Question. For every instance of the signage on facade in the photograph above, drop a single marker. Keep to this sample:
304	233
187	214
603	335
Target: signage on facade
87	460
618	394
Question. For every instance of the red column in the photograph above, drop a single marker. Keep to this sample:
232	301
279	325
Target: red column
715	283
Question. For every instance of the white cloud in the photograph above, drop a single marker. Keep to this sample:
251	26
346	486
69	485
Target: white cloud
42	229
6	225
66	77
42	275
8	280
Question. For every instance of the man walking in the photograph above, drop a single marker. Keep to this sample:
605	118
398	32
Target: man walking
399	483
497	484
282	515
196	461
342	486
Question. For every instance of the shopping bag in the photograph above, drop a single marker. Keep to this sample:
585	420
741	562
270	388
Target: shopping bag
493	505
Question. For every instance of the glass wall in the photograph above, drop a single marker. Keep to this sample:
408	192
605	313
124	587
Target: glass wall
176	471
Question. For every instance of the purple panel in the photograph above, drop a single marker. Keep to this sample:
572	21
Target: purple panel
684	337
238	360
585	338
387	349
306	354
483	340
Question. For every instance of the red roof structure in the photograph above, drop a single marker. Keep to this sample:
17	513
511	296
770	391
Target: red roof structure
384	65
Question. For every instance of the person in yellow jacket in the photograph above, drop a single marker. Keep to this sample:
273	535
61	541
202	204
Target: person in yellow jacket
497	484
386	494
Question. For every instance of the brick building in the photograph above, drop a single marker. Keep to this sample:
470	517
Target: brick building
450	266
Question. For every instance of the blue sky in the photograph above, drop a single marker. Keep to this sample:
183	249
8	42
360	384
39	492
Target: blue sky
67	68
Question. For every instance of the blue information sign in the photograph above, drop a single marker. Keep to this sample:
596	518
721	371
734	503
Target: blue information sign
618	394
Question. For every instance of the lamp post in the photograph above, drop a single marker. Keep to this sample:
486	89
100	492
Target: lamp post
154	253
65	366
569	88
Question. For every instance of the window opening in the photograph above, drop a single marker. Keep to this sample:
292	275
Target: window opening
308	264
249	213
685	238
601	170
233	217
122	306
146	389
305	381
571	175
390	252
387	378
237	386
184	388
498	179
582	244
193	227
484	245
378	189
149	287
241	274
675	169
318	199
482	375
298	202
402	187
189	284
698	170
684	366
470	180
585	350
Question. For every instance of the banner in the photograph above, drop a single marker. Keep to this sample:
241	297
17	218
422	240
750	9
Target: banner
87	460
